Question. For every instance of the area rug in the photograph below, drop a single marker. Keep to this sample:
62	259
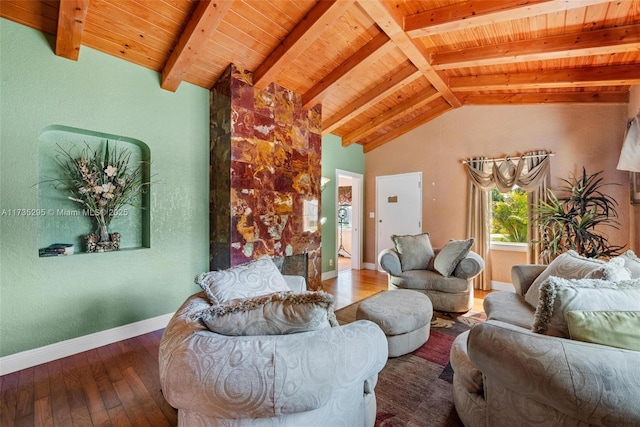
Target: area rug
415	390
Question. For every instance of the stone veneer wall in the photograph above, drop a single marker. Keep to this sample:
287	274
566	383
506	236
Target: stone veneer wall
264	174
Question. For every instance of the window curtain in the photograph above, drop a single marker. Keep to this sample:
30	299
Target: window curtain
478	220
530	172
537	191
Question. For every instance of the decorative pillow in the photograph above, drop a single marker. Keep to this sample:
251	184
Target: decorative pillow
274	314
613	328
614	271
559	296
631	263
415	251
450	255
568	265
255	278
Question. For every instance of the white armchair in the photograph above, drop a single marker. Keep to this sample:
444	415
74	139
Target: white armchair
319	378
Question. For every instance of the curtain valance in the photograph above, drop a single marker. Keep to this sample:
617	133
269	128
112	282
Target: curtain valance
526	171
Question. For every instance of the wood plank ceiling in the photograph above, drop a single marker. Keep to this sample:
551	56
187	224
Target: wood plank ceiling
379	68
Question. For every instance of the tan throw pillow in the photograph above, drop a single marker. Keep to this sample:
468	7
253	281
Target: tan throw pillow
614	271
274	314
614	328
415	252
631	263
255	278
558	296
568	265
450	255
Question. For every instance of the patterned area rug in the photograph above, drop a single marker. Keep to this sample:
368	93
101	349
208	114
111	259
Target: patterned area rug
415	390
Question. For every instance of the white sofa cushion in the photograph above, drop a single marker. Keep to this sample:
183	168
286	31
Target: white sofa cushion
450	255
614	271
255	278
568	265
279	313
631	263
414	252
558	296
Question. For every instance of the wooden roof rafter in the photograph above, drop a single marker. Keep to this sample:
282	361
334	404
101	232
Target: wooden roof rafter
204	21
438	108
323	14
618	75
598	42
523	98
408	105
384	14
476	13
71	19
393	82
379	46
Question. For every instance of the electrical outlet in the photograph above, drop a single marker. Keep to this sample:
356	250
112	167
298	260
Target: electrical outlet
330	262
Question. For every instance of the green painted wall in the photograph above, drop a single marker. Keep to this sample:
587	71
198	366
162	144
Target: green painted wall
46	300
335	156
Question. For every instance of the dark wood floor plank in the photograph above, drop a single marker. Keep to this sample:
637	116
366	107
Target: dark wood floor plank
41	382
80	415
119	417
131	407
8	399
151	410
24	404
101	377
92	395
43	412
59	402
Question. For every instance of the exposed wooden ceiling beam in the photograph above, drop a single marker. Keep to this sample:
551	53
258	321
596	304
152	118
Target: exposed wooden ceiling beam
377	47
71	17
475	13
323	14
204	22
608	97
388	18
619	75
394	82
401	109
438	109
598	42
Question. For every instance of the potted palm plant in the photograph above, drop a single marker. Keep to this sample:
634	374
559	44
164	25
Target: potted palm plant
575	219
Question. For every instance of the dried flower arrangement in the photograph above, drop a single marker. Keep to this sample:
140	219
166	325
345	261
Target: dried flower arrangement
103	181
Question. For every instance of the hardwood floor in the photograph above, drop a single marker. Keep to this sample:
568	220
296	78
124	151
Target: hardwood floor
118	384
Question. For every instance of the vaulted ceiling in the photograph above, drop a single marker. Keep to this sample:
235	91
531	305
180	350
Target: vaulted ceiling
379	68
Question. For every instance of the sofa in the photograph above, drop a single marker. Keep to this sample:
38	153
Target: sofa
505	374
414	264
321	377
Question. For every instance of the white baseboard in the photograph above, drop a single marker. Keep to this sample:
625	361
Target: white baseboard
329	274
38	356
369	265
502	286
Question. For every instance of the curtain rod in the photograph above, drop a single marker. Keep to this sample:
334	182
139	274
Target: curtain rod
524	156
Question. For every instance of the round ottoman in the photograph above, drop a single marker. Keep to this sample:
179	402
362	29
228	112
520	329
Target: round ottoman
403	315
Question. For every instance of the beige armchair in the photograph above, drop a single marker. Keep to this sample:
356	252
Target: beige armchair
449	294
319	378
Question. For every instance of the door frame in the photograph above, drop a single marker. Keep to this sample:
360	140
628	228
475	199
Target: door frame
419	174
357	209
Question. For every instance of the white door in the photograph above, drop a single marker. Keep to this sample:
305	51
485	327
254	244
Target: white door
398	207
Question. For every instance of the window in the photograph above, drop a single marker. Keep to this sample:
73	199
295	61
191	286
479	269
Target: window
509	216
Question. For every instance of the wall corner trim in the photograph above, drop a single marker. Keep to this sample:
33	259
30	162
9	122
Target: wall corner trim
37	356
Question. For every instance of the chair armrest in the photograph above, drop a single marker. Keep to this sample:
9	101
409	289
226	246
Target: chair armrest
263	376
296	283
469	267
390	262
596	384
523	275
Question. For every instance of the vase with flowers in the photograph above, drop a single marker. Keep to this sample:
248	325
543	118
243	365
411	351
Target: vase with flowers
102	181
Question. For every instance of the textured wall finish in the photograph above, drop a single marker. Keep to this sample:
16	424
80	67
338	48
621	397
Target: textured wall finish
265	174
